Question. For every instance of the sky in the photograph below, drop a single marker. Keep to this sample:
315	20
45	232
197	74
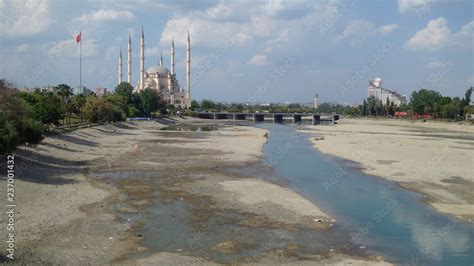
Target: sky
247	50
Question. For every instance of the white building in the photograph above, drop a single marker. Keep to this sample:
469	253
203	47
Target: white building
382	94
158	77
47	88
100	91
81	90
316	102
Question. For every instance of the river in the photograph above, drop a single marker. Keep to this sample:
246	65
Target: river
382	218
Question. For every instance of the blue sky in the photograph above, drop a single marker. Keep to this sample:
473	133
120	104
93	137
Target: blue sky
248	50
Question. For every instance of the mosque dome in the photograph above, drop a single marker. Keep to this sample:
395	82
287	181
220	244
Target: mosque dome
158	69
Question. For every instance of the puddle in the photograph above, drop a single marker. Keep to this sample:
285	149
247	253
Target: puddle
189	225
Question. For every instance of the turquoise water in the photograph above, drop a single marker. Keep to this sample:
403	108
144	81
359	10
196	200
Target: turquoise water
383	218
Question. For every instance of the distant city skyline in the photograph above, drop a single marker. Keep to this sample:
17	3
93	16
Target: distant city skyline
248	51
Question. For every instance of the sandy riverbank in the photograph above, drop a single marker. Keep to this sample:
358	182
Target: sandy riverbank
433	158
73	189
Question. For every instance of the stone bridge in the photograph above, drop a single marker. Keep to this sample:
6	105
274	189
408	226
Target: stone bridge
274	117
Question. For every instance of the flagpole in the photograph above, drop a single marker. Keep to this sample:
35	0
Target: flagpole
80	63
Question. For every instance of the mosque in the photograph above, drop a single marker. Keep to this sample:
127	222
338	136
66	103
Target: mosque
159	77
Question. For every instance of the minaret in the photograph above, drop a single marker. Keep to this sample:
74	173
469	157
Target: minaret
129	63
188	68
161	57
172	56
142	61
120	67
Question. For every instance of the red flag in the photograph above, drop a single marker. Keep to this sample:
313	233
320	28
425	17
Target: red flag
78	37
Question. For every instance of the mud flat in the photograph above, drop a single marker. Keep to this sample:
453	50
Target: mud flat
432	158
89	197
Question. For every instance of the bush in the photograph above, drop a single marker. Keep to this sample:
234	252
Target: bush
31	131
8	135
117	114
449	111
18	121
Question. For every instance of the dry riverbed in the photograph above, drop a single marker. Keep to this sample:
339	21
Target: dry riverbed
76	190
433	158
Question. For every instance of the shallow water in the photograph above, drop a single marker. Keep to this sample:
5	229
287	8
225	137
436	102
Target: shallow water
381	217
190	128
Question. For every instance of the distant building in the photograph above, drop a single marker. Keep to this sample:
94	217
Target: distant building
47	88
158	77
316	102
100	91
24	89
82	90
382	94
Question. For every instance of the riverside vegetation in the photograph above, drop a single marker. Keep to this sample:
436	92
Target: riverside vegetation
25	116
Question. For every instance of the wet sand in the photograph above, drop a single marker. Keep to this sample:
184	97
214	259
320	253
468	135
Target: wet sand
74	189
433	158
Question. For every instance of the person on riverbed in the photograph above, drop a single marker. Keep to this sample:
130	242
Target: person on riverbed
266	136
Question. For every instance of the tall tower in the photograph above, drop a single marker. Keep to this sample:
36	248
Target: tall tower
129	63
142	61
120	67
172	56
161	57
188	68
316	102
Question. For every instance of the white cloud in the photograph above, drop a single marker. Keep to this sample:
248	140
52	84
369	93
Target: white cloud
385	29
406	5
313	71
437	64
156	51
24	18
203	32
219	11
112	52
258	60
358	31
104	15
465	37
69	48
22	48
244	22
438	35
470	79
433	37
280	39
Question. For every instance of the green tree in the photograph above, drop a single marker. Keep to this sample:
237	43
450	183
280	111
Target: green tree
374	106
18	125
208	105
467	102
467	96
168	109
459	105
102	110
150	100
30	131
194	105
365	109
47	107
426	102
8	134
449	111
391	110
64	92
126	90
